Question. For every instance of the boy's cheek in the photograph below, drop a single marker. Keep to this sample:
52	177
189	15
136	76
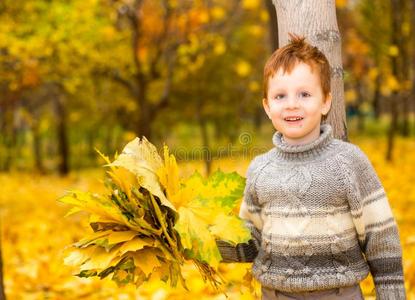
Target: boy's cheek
266	107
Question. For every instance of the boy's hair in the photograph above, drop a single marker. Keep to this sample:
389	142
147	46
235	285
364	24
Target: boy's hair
297	50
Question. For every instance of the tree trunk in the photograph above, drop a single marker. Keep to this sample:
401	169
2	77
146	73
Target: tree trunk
360	113
273	25
145	114
316	20
11	141
63	150
395	20
405	66
376	98
37	152
405	114
8	130
206	154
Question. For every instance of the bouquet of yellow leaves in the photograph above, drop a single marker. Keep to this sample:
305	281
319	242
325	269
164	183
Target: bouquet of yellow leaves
150	222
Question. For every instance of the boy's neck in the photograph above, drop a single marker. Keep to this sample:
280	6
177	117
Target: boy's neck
304	151
299	143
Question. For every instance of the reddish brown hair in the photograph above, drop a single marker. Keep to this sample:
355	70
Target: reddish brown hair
298	50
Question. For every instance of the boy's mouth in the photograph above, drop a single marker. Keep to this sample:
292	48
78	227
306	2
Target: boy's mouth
293	119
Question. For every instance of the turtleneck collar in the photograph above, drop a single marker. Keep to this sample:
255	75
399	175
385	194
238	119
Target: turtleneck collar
312	149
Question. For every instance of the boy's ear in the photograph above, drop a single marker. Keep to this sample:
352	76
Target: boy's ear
266	107
327	104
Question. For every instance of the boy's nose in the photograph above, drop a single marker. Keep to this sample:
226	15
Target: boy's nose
293	101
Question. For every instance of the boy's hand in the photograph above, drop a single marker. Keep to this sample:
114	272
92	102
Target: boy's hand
242	252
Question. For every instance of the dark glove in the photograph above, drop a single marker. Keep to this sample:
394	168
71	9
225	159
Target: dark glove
242	252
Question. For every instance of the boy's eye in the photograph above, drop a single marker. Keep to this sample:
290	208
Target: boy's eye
279	96
304	94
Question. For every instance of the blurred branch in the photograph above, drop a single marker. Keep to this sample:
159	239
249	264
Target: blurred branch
134	15
164	99
155	74
225	27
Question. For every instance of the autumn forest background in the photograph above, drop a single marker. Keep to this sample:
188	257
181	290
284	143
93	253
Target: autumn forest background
80	75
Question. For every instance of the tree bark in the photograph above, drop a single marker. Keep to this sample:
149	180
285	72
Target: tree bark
316	20
273	25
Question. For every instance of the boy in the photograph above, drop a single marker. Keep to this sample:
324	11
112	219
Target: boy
318	213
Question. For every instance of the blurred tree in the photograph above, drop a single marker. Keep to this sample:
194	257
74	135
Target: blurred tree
385	26
221	69
157	28
373	26
396	44
50	47
405	47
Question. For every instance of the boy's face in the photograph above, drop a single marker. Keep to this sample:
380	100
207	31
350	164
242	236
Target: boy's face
296	95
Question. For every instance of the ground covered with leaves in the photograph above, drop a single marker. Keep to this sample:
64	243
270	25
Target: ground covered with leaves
34	233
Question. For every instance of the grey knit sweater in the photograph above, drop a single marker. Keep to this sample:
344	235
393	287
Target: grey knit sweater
319	218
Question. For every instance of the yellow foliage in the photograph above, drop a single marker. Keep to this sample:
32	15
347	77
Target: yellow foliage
393	50
219	47
256	30
406	28
34	232
218	13
141	204
254	86
203	17
350	95
243	68
250	4
168	175
373	73
341	3
392	83
264	16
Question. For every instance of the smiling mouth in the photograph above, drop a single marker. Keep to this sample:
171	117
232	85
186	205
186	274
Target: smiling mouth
293	120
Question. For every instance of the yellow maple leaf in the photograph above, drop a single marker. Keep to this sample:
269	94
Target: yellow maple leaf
146	259
135	244
100	259
121	236
168	174
93	203
76	256
196	237
141	158
235	231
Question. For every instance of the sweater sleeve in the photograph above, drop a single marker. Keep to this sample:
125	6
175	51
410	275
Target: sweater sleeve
376	227
250	212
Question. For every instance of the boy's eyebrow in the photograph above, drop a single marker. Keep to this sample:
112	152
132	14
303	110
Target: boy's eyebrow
283	89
